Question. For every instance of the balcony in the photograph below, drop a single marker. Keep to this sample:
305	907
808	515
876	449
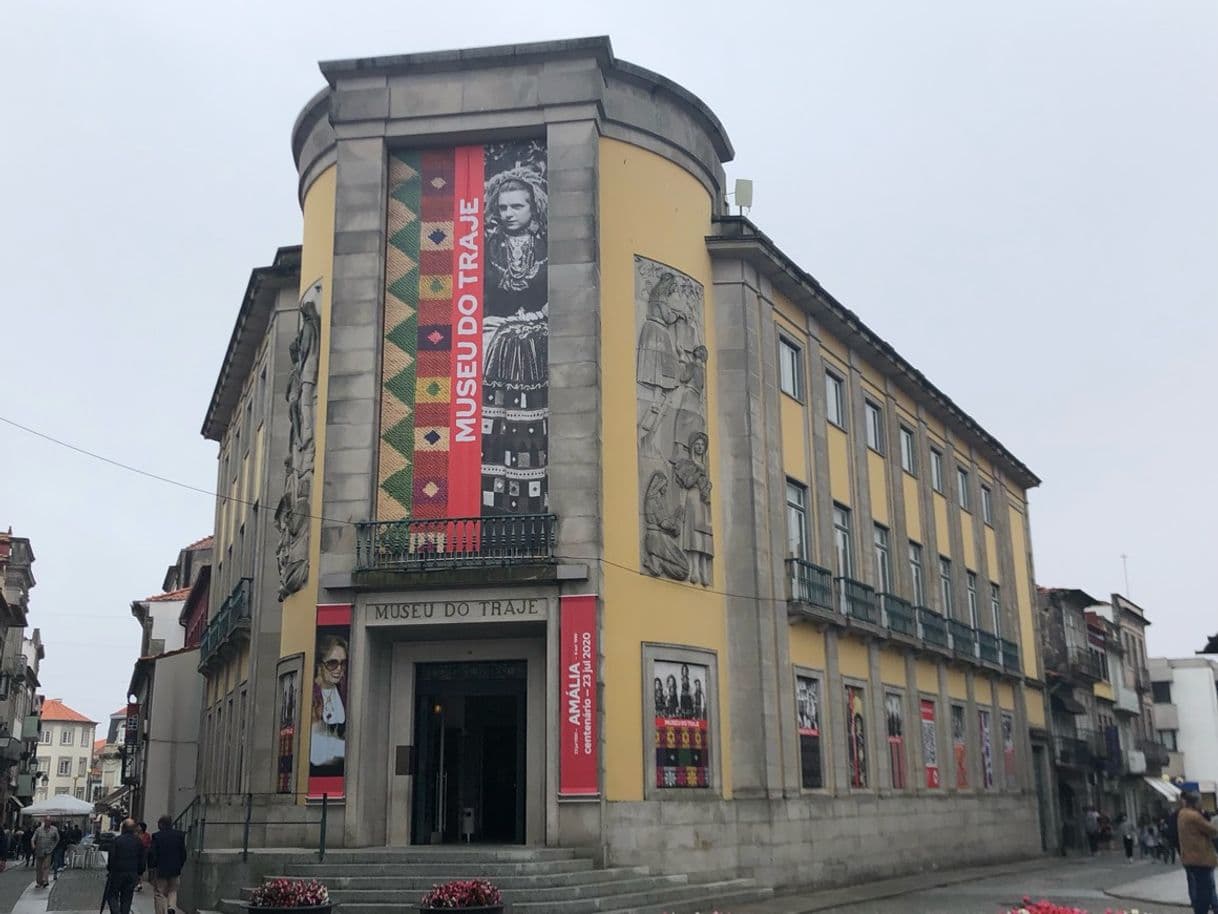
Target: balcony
1071	752
858	600
232	620
1157	756
899	616
963	642
934	628
1010	656
988	648
811	589
1084	664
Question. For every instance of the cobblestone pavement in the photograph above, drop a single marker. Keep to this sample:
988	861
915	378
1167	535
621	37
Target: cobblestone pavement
74	890
1077	881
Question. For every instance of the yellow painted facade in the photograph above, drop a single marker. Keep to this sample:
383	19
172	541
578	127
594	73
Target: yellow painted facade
794	454
1103	690
940	507
957	686
839	466
852	658
1006	696
892	667
982	692
877	479
969	542
650	207
807	647
991	556
913	508
316	262
1035	700
1023	595
928	677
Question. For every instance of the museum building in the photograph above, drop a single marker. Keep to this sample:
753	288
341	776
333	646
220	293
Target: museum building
561	507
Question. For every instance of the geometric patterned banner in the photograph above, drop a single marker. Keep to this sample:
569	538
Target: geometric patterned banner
465	377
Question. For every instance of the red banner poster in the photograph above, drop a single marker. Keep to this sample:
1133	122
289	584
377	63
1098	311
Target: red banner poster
465	404
930	744
329	706
578	738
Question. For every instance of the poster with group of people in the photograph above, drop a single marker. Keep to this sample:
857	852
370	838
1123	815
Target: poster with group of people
856	740
807	711
682	738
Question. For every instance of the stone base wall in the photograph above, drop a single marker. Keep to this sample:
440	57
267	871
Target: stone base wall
823	841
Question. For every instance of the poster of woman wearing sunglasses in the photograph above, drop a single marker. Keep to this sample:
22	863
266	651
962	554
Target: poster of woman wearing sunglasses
328	730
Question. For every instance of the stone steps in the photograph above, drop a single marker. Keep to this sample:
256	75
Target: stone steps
523	881
326	871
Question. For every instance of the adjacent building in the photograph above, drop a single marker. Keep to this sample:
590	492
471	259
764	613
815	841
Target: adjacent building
1185	693
20	656
65	753
560	507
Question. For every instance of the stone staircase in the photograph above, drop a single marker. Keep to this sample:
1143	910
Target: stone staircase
533	881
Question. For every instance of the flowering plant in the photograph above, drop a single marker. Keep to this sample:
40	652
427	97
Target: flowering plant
281	892
462	893
1047	907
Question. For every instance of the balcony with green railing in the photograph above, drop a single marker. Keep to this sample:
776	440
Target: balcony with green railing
810	590
447	543
988	648
933	627
963	640
1010	656
898	615
231	621
858	601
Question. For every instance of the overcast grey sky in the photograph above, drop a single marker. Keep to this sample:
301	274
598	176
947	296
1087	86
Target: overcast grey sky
1021	197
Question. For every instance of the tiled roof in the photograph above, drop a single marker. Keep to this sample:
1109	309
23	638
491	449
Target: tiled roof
168	597
55	709
98	745
122	711
206	543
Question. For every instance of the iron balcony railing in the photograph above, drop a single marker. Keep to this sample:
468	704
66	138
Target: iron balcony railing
962	638
934	627
810	584
234	614
1072	752
1010	656
898	615
1157	755
425	544
1095	742
988	647
858	600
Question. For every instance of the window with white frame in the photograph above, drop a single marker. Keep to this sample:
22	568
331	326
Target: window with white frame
67	737
46	735
835	400
945	585
962	488
790	368
883	566
84	736
974	615
875	426
82	767
987	505
915	571
797	520
65	767
909	462
841	542
996	608
936	470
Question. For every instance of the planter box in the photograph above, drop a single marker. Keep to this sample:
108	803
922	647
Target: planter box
480	909
312	909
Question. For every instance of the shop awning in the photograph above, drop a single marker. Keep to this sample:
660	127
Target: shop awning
1170	791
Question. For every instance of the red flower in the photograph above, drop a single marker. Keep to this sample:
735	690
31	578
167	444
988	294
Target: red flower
462	893
282	892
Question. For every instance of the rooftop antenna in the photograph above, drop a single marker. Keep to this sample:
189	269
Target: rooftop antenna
743	195
1125	565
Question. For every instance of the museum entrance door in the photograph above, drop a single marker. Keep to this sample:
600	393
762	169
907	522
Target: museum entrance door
470	743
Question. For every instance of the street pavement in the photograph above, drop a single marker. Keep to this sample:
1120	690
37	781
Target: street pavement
74	890
1083	882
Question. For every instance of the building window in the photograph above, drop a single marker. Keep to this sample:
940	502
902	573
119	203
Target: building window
84	737
962	485
835	401
987	505
987	749
66	737
1160	692
856	736
945	585
915	571
936	470
959	746
65	767
909	461
82	767
1168	739
797	520
790	368
883	568
807	714
46	735
996	608
875	427
80	793
974	616
894	719
44	765
841	542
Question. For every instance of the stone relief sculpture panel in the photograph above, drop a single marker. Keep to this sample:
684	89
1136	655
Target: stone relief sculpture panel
293	512
673	447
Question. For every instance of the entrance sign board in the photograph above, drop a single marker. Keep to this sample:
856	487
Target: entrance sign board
579	741
433	612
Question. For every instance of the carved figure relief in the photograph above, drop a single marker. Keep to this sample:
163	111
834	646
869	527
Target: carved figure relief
293	512
673	447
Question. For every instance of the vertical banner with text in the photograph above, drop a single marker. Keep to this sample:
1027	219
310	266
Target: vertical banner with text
930	744
578	737
328	718
465	405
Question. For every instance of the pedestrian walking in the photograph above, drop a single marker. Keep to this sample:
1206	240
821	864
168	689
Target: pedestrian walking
27	845
1129	834
1197	853
146	841
1091	823
44	841
166	857
61	849
124	866
5	845
1170	834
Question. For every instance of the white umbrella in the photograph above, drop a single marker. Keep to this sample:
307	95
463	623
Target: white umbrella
62	804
